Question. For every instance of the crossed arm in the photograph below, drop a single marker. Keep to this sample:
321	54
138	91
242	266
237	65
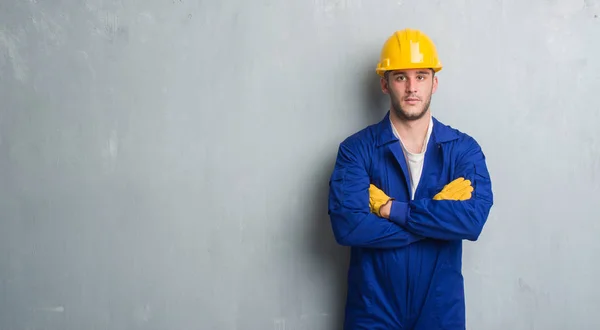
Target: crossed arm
352	221
356	220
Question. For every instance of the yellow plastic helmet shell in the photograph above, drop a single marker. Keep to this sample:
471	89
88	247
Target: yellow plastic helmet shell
408	49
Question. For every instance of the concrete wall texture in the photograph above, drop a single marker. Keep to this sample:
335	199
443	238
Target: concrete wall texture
165	164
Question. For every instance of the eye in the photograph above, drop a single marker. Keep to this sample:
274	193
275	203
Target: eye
400	78
421	77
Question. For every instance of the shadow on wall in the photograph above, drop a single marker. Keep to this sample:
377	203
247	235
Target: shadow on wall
374	101
334	257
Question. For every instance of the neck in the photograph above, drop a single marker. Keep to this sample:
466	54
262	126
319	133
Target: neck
412	132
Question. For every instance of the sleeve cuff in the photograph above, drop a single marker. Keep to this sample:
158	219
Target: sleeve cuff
399	212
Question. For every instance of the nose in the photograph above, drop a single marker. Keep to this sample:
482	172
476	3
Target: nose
411	85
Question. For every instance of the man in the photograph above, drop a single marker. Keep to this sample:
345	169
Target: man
403	195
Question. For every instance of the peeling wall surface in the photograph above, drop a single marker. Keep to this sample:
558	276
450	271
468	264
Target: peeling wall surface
165	164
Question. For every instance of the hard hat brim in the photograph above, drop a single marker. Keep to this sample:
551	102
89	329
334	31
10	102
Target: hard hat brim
382	71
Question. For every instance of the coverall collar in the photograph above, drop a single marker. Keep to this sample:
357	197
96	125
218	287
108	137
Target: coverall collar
440	134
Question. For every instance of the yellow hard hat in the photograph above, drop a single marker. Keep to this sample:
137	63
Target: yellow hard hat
408	49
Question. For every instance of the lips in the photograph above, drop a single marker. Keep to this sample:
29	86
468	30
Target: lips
411	100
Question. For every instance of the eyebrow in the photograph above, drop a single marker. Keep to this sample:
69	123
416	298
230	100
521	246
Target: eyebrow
425	72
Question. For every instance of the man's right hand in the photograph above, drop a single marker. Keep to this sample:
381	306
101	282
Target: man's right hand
379	202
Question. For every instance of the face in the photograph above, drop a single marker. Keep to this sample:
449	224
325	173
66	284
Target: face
410	92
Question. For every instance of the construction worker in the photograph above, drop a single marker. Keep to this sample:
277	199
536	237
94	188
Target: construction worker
404	194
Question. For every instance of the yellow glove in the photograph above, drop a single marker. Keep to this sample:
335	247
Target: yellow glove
377	198
458	190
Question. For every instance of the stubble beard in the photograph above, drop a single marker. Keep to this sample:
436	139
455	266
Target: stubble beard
405	116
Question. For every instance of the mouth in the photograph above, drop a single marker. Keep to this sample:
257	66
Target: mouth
412	100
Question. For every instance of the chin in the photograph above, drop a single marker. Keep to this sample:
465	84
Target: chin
413	115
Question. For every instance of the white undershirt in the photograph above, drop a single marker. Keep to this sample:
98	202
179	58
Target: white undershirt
414	160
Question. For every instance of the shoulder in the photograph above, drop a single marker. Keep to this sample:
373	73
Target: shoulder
464	145
358	146
362	138
458	137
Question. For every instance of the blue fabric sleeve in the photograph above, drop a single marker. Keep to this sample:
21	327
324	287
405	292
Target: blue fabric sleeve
352	222
399	212
449	219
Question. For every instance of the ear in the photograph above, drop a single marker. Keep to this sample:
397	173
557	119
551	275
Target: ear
384	85
435	84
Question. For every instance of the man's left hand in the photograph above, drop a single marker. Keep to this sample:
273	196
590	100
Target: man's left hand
457	190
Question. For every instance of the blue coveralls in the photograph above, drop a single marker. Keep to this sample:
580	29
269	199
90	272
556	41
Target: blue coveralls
406	272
